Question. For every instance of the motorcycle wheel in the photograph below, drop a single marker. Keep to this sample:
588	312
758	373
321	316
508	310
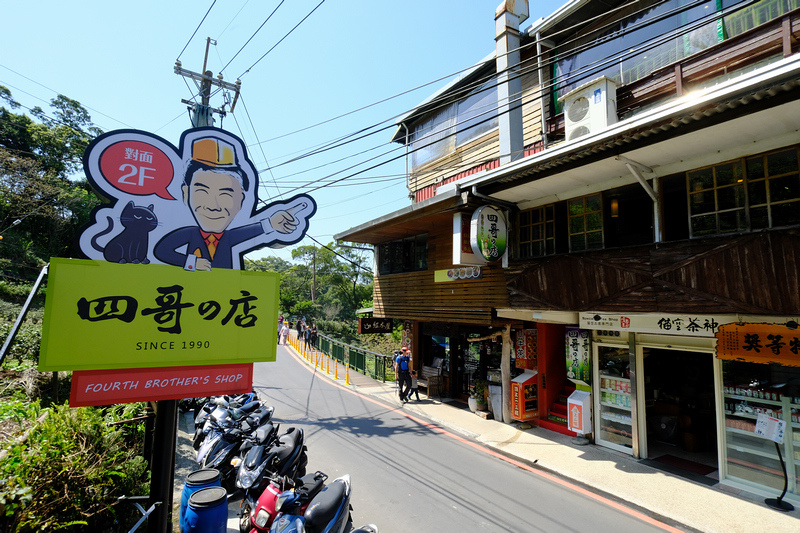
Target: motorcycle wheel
245	526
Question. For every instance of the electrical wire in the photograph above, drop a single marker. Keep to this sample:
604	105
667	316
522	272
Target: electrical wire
259	144
281	40
231	21
594	66
251	37
195	31
341	256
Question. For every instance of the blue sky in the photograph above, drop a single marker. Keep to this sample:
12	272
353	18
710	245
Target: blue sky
117	59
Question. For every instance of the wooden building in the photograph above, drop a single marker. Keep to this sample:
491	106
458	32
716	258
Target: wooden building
654	204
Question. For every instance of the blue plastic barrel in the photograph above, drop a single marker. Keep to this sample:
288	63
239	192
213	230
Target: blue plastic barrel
199	479
207	511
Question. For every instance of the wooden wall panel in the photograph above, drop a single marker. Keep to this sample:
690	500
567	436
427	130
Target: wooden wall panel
416	296
752	274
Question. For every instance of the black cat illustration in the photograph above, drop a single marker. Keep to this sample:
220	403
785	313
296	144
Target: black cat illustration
130	246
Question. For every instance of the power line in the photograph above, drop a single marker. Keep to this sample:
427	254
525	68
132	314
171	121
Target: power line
57	93
195	30
260	146
595	65
281	40
251	37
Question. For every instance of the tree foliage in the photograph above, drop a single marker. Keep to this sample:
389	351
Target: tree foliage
69	471
37	159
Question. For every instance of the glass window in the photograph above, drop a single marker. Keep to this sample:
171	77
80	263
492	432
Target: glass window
754	15
774	189
585	223
537	232
633	47
406	255
717	202
433	138
750	389
477	114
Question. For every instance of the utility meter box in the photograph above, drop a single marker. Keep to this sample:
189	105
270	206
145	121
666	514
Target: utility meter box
579	412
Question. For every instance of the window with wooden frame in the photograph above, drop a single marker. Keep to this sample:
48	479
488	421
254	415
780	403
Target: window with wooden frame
585	223
537	228
773	188
750	194
405	255
717	199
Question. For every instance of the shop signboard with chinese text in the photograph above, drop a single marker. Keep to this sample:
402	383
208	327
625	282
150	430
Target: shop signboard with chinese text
374	325
101	315
163	287
488	233
526	349
759	343
668	324
578	352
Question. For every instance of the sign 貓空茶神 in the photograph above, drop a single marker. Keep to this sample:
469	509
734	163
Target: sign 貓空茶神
164	287
488	233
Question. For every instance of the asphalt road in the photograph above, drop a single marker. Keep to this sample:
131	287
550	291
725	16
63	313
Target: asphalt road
410	475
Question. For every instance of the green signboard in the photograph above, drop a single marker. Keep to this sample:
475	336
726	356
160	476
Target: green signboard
103	315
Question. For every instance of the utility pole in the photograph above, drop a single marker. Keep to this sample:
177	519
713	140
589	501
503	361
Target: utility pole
162	471
201	113
314	278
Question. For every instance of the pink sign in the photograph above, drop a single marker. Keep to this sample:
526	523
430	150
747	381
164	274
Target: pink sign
106	387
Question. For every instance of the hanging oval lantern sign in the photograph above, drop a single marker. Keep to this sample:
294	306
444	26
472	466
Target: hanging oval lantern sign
488	233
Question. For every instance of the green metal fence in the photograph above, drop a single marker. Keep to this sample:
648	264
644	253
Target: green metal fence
374	365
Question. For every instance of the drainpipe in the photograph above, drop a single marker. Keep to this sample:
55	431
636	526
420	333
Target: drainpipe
507	18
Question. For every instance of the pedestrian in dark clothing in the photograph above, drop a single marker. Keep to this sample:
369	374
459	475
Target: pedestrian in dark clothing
414	387
402	368
314	335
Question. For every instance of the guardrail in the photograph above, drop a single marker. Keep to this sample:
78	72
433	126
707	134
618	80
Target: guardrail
372	364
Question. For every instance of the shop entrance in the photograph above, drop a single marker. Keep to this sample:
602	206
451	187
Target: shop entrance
680	419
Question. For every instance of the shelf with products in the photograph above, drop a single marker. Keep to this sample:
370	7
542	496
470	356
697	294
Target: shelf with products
615	406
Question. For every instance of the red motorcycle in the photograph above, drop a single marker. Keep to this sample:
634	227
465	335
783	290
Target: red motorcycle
265	511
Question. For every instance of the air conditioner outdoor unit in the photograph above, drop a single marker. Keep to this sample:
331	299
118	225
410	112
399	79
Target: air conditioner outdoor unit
590	107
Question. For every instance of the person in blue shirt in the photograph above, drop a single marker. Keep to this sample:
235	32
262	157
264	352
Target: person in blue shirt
402	369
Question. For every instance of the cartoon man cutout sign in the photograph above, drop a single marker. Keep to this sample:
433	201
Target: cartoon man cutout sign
214	180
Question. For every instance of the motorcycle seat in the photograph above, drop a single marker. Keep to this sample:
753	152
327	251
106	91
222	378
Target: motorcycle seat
310	484
324	506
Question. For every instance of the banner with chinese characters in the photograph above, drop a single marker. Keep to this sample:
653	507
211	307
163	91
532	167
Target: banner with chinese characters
374	325
759	343
526	349
106	387
578	352
102	315
668	324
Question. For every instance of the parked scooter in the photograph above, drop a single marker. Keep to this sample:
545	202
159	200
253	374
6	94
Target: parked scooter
232	443
285	457
260	519
223	411
328	511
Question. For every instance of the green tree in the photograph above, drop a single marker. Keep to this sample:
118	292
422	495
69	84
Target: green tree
36	162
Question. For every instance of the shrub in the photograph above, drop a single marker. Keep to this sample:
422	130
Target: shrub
26	344
76	465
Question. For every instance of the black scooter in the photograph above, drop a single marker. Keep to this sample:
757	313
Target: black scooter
286	458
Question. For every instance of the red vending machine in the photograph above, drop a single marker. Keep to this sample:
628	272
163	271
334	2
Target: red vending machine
525	396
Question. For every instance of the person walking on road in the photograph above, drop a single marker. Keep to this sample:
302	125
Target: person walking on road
284	333
414	387
402	371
